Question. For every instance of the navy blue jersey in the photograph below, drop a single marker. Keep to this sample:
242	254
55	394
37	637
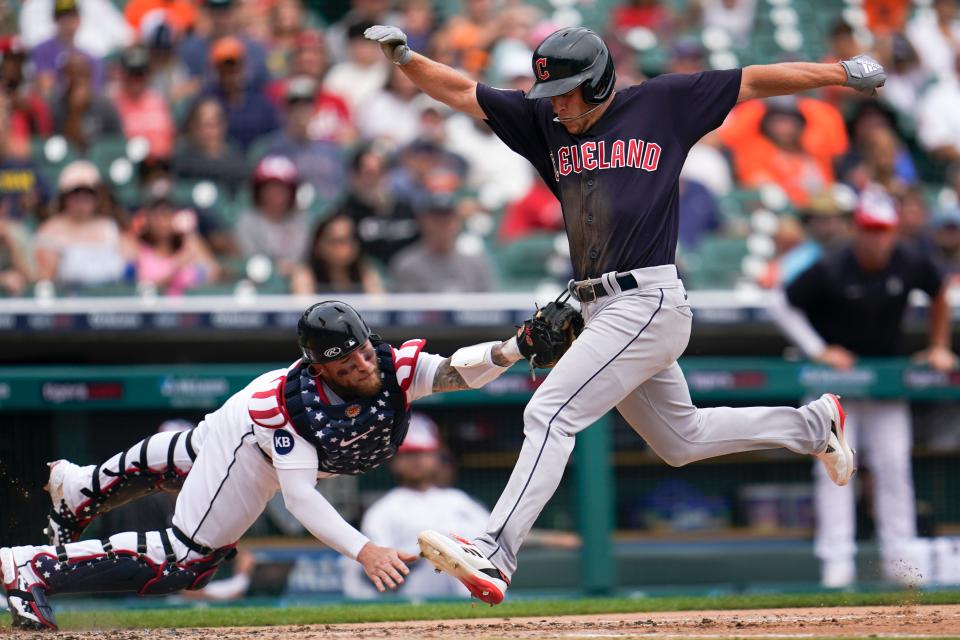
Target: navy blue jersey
618	181
862	311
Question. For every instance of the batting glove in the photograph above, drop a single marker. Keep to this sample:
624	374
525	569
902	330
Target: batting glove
393	43
864	74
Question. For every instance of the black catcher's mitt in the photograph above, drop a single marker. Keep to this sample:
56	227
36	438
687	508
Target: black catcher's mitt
549	333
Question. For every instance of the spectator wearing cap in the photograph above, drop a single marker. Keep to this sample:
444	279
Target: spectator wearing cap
95	26
435	264
415	504
877	152
23	189
169	75
29	115
143	112
936	37
319	161
50	57
81	113
248	112
946	242
362	74
172	255
337	261
79	246
275	227
332	119
424	168
848	305
205	153
222	19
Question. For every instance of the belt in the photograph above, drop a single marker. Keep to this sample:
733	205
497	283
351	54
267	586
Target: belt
591	290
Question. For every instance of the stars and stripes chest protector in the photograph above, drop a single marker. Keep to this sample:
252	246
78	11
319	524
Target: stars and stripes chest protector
358	435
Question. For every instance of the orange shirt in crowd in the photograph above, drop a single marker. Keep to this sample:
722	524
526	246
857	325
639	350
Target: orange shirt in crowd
886	16
148	117
180	14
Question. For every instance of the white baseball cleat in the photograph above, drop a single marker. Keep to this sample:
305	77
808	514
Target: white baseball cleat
837	458
464	561
26	598
62	526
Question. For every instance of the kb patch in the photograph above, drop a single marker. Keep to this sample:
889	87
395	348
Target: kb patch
282	442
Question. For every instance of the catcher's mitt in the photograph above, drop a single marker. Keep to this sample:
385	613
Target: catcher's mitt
545	337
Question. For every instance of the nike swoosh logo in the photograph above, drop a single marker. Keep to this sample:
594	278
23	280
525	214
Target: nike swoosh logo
344	443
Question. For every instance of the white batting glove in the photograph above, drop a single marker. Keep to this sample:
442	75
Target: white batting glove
393	43
864	74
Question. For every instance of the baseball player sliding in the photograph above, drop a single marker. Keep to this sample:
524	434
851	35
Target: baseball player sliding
343	408
612	157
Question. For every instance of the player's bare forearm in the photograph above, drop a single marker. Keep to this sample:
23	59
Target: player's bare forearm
444	84
448	378
785	78
940	320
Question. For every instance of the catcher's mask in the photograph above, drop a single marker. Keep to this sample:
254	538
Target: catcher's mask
330	330
570	58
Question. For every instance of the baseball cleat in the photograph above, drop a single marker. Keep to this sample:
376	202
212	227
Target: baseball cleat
464	561
62	525
837	458
27	600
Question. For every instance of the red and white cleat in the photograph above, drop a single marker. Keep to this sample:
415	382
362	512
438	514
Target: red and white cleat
462	559
26	598
837	458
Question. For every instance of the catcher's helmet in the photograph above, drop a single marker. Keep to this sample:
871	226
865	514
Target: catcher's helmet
570	58
330	330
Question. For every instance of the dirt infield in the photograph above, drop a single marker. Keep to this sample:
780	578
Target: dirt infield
933	621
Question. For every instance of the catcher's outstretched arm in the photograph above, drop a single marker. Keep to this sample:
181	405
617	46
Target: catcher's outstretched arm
474	366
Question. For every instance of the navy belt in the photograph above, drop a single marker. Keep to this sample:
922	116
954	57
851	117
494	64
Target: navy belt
588	292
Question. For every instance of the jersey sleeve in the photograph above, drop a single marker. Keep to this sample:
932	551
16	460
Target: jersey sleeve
415	369
513	118
287	448
701	101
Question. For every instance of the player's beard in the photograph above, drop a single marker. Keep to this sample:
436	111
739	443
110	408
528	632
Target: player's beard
369	386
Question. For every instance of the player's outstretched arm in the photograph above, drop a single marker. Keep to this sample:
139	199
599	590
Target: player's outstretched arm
939	356
474	366
861	73
437	80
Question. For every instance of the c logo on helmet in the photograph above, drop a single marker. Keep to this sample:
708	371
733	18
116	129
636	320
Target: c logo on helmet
331	352
540	66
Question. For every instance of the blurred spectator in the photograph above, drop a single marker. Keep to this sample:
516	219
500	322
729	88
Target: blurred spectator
172	255
435	264
206	154
469	34
651	14
876	152
935	34
914	226
777	155
23	190
366	11
16	266
331	119
735	17
538	211
393	112
938	119
493	169
178	14
418	22
687	56
81	113
362	74
221	20
168	74
337	263
841	45
27	112
79	245
511	54
906	77
95	26
699	214
426	168
946	242
826	224
275	227
286	20
319	161
50	57
248	112
142	111
708	165
384	224
886	16
415	504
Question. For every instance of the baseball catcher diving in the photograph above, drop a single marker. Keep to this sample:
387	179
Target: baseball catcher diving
612	156
342	408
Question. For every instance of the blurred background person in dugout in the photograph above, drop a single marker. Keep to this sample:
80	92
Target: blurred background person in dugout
851	304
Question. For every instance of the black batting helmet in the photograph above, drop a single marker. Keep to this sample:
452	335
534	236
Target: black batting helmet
570	58
330	330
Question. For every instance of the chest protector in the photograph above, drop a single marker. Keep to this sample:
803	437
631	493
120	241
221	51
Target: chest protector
358	435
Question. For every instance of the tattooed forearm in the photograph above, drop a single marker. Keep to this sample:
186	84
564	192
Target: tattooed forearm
448	378
503	356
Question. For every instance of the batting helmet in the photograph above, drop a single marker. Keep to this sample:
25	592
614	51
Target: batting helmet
330	330
570	58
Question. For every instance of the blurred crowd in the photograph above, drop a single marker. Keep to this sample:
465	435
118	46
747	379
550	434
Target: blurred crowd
177	146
